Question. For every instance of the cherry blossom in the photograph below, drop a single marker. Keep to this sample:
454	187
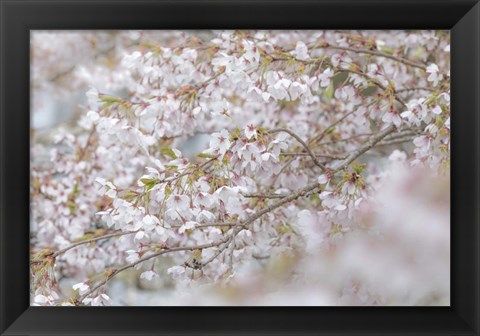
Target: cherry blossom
250	132
220	141
148	275
434	76
81	287
100	300
211	162
325	77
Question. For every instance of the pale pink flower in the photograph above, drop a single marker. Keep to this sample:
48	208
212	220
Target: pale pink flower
250	131
435	76
325	77
301	51
220	141
149	275
82	287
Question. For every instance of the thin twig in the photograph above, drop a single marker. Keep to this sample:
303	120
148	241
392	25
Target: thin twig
367	146
208	225
395	141
322	135
263	195
334	157
414	89
88	241
188	171
305	146
373	53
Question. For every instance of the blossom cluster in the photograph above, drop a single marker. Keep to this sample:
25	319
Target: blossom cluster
209	158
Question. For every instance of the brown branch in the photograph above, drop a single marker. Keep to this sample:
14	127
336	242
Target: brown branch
305	146
395	141
334	157
208	225
188	172
372	141
376	82
414	89
353	137
322	135
342	140
285	166
121	233
148	257
374	53
263	196
88	241
219	251
362	74
83	150
68	71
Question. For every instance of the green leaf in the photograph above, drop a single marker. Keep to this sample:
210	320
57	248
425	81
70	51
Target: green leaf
387	50
206	156
148	180
358	168
339	78
329	92
109	99
261	130
149	183
128	195
75	189
168	192
235	134
169	152
72	206
285	228
330	130
369	90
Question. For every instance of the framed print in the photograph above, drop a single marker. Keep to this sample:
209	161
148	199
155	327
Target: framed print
227	167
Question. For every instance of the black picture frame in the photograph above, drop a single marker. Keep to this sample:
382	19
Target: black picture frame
18	17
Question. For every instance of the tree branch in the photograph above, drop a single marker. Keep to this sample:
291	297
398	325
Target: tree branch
318	163
373	53
263	196
88	241
141	260
367	146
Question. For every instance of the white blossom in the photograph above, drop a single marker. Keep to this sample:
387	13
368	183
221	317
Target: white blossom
82	287
149	275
